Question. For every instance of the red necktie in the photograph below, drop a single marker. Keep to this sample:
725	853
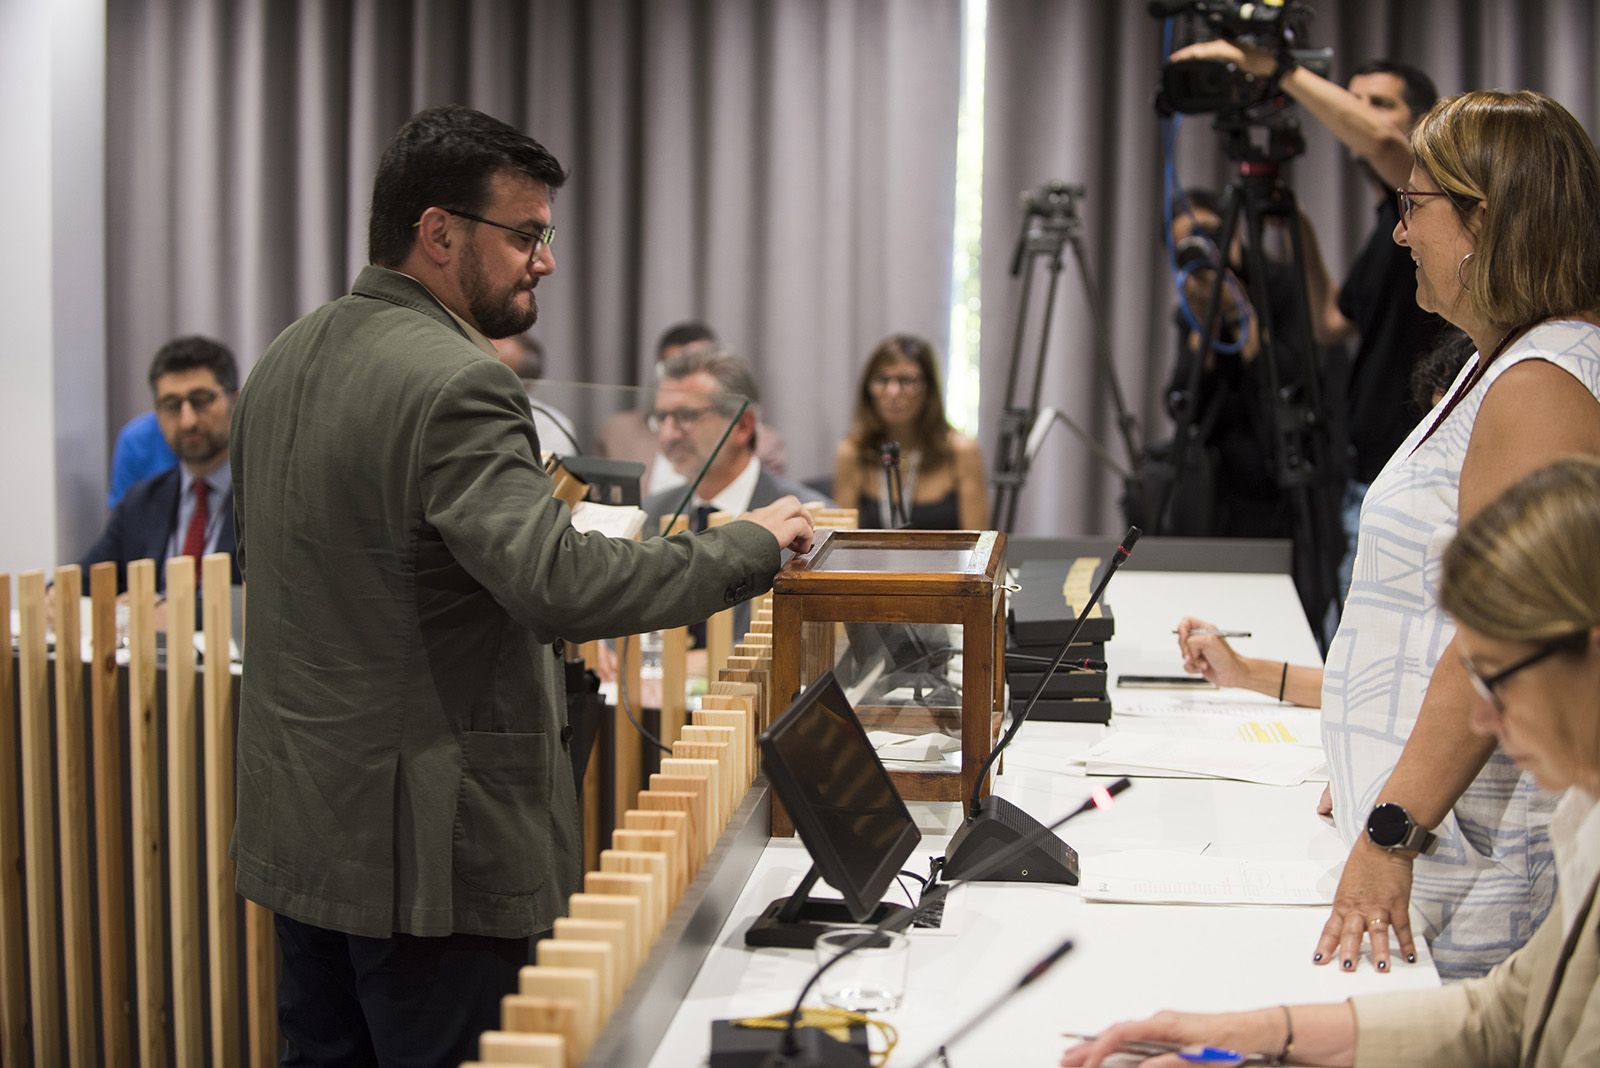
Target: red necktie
194	539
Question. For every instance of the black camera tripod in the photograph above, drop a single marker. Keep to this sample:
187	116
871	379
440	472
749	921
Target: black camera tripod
1301	458
1050	223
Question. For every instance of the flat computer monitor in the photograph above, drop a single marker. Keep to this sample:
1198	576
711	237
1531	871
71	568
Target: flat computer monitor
847	812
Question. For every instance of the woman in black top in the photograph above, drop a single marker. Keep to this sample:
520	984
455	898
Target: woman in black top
900	401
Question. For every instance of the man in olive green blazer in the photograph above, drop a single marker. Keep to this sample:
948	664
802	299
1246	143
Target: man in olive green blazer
404	792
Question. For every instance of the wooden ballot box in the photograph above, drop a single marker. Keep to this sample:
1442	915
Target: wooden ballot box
876	606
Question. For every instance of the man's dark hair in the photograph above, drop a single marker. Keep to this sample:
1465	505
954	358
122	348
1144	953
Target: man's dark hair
445	157
188	353
684	333
1419	89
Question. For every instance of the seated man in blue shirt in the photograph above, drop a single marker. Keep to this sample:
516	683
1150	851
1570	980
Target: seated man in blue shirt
187	510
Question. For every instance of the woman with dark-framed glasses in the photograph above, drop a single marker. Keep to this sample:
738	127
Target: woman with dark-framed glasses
902	464
1522	582
1499	217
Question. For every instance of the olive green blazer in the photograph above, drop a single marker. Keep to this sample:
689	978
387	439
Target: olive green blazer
402	761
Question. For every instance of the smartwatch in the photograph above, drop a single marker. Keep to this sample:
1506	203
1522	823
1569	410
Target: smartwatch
1390	827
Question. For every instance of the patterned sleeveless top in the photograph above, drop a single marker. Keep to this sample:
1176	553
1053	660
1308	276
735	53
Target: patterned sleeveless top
1489	884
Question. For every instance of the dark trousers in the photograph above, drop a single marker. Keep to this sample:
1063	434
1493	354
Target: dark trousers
347	1000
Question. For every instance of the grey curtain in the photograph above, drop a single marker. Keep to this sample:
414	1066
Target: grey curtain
784	170
1069	93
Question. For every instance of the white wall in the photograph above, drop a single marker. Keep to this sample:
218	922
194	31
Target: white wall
52	280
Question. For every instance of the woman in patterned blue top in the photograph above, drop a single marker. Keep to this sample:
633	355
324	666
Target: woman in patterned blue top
1499	217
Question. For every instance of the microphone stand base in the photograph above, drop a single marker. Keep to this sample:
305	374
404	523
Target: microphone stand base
999	825
733	1046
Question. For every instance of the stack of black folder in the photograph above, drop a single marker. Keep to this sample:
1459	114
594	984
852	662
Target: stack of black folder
1039	620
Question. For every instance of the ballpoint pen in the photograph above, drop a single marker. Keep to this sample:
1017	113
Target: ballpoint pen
1221	633
1193	1054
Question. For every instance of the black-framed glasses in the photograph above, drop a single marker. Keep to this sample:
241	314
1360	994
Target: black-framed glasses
200	400
1407	199
543	239
682	418
1485	685
905	383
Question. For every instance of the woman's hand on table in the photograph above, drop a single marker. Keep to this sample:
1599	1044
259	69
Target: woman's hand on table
1374	897
1244	1032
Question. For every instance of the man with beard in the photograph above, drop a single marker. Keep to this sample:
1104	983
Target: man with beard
405	798
188	509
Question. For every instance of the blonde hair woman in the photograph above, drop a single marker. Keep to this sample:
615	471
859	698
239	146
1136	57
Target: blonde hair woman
1522	581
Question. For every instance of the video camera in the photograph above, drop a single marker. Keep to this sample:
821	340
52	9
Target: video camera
1207	86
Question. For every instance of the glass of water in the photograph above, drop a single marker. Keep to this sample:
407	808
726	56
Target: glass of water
872	978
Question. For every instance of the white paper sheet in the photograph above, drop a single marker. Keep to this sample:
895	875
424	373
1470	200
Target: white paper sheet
1162	877
1159	756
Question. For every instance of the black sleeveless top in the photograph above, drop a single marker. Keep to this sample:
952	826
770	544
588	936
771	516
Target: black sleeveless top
941	514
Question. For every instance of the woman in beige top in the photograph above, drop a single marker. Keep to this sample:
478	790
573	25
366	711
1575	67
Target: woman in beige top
1522	581
901	402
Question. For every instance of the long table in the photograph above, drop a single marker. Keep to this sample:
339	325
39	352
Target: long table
1128	960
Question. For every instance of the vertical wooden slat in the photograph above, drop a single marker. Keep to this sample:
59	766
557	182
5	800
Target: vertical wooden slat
261	985
38	823
719	628
628	769
109	813
149	928
72	780
183	816
221	898
674	665
13	977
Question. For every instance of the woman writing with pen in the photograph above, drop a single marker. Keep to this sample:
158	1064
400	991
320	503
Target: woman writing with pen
1499	217
1522	582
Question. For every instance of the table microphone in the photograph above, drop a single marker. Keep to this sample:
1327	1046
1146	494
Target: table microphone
993	824
1043	965
889	451
811	1047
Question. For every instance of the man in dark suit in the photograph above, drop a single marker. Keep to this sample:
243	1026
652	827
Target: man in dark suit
703	389
406	803
186	510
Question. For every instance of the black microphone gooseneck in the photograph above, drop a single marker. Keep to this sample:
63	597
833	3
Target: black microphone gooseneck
889	451
1043	965
993	823
789	1049
1123	552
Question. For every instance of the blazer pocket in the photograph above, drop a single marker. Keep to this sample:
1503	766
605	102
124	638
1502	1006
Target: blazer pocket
502	840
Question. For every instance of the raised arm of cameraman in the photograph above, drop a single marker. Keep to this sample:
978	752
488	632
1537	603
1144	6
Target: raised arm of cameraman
1364	132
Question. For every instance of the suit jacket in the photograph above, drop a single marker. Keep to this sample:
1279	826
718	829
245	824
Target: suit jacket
1492	1020
403	758
768	488
141	527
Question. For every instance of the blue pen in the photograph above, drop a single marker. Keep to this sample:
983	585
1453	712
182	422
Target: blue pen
1210	1055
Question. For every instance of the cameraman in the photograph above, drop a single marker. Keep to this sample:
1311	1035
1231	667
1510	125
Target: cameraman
1231	403
1377	302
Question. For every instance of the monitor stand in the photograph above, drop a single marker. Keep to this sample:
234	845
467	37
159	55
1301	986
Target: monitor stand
796	921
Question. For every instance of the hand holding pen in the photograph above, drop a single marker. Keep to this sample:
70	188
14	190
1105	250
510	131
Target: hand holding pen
1206	652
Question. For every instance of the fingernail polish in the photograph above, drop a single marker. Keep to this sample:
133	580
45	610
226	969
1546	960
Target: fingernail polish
1411	958
1348	965
1317	959
1383	965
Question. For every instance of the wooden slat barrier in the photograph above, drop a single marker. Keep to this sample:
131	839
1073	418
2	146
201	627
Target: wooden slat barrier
659	844
38	823
110	818
72	780
13	934
65	992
